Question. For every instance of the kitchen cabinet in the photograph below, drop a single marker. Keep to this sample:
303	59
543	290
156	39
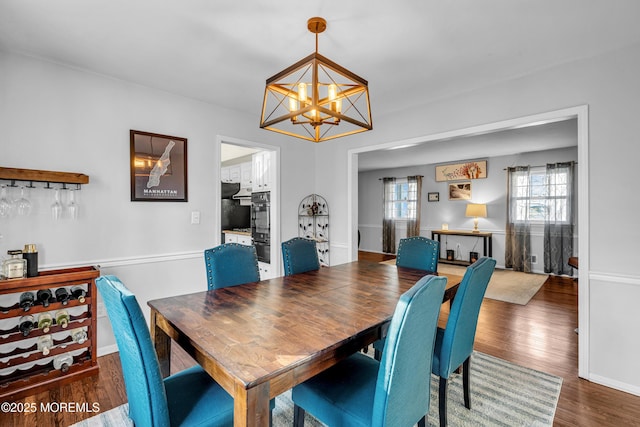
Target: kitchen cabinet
241	238
261	171
266	271
234	173
224	174
25	368
245	174
237	173
230	173
313	223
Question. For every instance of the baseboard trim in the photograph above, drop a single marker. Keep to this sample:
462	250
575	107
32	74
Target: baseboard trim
617	385
107	349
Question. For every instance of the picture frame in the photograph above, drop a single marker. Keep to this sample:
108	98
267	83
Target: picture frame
476	169
433	197
158	167
460	190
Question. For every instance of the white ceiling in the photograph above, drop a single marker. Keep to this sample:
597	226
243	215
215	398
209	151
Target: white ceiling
232	151
410	51
548	136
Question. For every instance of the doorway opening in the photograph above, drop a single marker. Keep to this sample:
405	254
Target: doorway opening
580	113
249	179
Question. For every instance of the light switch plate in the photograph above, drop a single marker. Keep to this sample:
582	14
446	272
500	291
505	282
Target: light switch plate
195	217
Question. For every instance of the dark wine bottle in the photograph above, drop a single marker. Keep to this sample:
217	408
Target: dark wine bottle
26	300
78	292
26	324
62	295
44	295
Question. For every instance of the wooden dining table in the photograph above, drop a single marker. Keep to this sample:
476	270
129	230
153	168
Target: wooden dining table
260	339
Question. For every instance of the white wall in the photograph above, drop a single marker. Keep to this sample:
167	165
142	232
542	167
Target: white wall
608	84
61	119
57	118
490	190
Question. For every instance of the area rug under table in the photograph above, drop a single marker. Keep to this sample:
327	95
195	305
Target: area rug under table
505	285
502	394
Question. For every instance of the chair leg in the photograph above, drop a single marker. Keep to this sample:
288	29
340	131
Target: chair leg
298	416
271	418
465	382
377	354
442	401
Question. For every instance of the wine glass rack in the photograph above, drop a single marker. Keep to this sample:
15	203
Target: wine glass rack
30	176
26	370
313	223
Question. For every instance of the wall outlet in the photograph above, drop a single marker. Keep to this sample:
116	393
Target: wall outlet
534	259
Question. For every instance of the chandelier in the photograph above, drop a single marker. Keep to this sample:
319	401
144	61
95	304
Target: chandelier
315	98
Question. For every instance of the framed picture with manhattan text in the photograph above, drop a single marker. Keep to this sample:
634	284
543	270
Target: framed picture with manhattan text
158	167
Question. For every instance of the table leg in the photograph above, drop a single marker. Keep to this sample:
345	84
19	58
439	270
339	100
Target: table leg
162	344
251	407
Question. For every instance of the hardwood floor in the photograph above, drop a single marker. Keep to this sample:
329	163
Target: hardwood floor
539	335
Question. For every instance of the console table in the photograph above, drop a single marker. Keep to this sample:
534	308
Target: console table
487	240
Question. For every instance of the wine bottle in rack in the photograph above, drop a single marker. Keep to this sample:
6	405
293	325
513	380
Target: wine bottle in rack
26	300
45	343
62	318
78	292
44	295
44	322
79	335
62	295
26	324
63	362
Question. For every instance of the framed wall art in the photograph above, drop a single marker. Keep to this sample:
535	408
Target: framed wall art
457	171
158	167
460	190
433	197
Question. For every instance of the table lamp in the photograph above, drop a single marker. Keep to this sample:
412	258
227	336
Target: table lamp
476	211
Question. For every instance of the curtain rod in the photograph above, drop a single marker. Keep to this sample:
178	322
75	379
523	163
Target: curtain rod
421	176
538	166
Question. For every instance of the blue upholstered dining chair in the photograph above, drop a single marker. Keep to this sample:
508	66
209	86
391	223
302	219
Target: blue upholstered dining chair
187	398
360	391
418	252
231	264
454	344
299	255
414	252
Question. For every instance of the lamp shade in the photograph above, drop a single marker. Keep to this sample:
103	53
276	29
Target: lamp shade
476	210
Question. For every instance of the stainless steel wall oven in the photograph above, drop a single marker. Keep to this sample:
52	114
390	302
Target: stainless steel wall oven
261	224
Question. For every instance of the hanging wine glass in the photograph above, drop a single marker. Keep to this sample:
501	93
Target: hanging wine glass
56	206
72	206
23	205
5	204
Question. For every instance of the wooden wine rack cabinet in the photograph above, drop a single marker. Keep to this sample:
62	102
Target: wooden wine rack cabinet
37	378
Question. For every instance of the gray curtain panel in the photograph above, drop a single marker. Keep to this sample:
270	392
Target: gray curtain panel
413	223
388	223
518	229
559	222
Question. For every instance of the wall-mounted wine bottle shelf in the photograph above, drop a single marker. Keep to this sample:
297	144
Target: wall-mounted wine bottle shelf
313	223
24	368
47	177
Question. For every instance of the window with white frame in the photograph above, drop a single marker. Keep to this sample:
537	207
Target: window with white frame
401	200
540	194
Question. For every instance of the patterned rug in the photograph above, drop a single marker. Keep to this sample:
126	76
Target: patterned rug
505	285
502	394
